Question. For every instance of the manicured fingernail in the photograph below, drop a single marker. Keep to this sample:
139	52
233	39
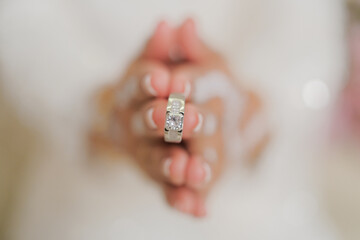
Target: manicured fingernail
200	123
147	85
166	167
187	89
208	173
150	119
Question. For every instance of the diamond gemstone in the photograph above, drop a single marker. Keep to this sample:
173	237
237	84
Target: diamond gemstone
174	121
175	106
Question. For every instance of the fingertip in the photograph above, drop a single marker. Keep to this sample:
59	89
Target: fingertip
189	25
159	114
189	41
160	82
186	201
182	199
199	124
187	89
208	172
159	43
166	167
149	116
191	120
161	27
178	165
196	173
200	209
180	83
148	85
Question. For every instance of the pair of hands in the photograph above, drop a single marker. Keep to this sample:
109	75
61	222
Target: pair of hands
172	61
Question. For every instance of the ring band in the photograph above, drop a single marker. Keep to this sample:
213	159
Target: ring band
174	118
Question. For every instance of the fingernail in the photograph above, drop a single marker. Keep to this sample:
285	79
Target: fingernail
187	89
200	122
166	167
150	119
147	85
208	173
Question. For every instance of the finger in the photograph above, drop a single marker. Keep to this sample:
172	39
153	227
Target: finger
144	79
253	106
182	78
185	76
254	128
160	43
186	201
174	166
198	173
154	114
192	48
163	162
206	148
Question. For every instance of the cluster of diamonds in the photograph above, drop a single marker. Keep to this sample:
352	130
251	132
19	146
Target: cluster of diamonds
174	119
175	106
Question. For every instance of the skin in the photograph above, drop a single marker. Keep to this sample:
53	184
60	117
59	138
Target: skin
181	169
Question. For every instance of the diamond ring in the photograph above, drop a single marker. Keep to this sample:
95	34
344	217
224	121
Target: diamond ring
174	118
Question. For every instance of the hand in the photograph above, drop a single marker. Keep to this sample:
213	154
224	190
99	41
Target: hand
138	105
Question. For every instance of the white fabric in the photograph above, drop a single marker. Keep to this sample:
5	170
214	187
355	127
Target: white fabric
55	54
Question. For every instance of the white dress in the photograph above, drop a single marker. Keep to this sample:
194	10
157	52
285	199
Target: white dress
55	54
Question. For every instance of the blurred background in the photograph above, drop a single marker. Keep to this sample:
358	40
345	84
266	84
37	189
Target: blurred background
302	56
